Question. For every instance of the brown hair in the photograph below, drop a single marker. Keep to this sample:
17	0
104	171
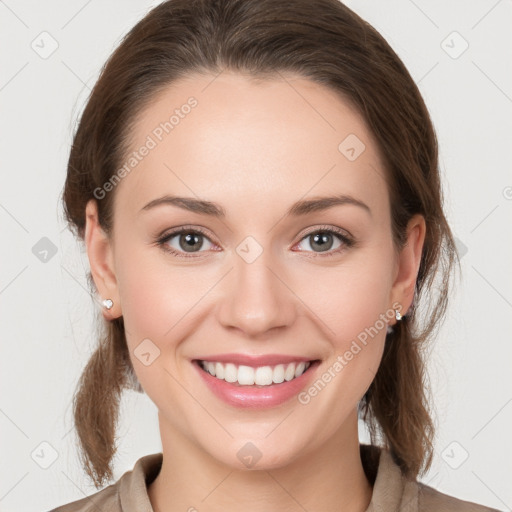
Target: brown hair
323	41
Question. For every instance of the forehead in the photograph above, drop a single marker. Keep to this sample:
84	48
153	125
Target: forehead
246	142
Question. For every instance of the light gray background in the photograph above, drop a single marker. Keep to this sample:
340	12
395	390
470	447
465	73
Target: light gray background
47	316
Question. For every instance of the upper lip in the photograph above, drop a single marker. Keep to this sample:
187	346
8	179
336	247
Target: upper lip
253	360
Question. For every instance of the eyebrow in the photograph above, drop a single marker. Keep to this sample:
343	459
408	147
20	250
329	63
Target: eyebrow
299	208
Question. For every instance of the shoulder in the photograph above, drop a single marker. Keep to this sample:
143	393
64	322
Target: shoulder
430	500
127	493
392	491
105	499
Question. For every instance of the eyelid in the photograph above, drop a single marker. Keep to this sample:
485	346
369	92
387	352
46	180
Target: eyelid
187	228
325	227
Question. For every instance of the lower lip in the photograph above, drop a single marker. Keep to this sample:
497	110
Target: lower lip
253	396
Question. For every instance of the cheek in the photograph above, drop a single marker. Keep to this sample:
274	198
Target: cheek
155	295
352	303
160	302
157	305
355	316
351	298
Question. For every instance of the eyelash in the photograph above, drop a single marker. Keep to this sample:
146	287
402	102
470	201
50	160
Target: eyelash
347	241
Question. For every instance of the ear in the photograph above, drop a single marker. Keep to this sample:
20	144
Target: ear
101	260
409	263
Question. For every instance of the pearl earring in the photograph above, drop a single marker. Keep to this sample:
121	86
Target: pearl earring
108	303
398	317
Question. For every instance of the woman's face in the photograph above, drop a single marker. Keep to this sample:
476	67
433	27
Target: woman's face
276	271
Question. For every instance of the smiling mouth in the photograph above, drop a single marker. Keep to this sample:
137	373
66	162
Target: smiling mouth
260	376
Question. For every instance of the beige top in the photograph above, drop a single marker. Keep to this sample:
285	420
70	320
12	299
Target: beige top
391	492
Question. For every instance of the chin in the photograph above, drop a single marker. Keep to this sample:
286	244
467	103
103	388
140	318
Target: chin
257	454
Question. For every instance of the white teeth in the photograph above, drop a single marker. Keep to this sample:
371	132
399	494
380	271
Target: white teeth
300	369
260	376
245	375
230	373
219	370
278	374
263	376
289	373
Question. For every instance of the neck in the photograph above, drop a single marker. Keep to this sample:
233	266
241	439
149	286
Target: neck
330	479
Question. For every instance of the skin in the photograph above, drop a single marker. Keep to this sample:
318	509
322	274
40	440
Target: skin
254	147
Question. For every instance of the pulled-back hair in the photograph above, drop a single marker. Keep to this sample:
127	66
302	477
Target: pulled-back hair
327	43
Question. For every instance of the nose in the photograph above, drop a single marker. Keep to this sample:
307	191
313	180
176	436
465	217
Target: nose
256	298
